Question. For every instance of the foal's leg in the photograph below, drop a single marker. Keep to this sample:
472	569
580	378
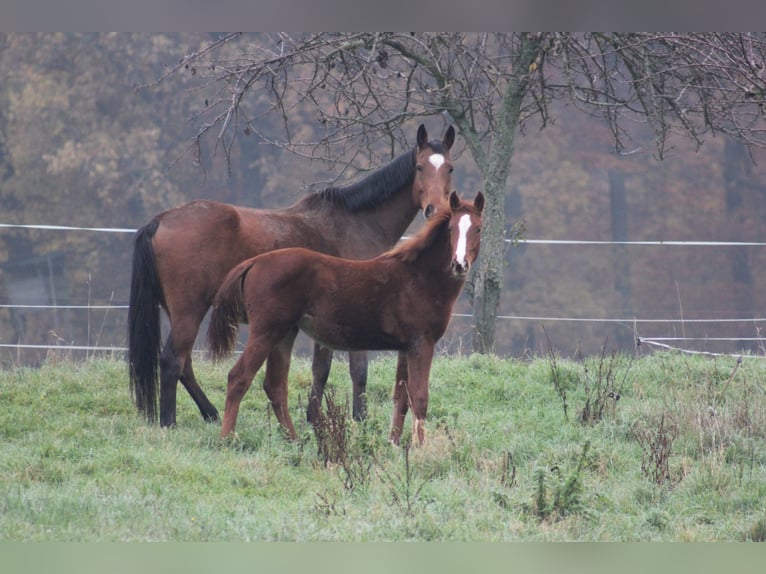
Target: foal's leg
275	381
419	360
240	378
411	390
401	399
320	371
357	366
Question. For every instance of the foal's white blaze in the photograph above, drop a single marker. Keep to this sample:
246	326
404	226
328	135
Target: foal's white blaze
463	226
437	160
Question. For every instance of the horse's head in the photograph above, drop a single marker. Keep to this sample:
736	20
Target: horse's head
433	171
465	232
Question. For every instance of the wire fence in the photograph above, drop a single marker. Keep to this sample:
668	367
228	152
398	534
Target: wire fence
661	342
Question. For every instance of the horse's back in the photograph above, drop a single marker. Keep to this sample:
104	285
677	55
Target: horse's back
292	276
199	217
197	243
333	300
288	267
235	233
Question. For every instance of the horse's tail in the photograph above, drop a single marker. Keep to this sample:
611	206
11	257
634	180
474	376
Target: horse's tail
228	312
144	336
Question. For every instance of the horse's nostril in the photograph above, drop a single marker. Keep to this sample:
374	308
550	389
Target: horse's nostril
460	268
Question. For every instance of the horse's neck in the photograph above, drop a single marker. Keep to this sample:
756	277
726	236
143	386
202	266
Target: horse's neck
384	224
390	218
433	263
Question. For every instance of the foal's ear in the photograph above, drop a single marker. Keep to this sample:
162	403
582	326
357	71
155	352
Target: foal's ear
478	202
422	136
449	138
454	200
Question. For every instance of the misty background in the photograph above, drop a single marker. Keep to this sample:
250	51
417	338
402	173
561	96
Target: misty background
90	138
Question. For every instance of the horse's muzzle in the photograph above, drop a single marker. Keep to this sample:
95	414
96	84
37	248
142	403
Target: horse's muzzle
460	269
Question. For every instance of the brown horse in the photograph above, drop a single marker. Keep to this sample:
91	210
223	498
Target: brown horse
182	255
401	300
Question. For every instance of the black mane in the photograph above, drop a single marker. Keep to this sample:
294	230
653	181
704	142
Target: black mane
372	189
376	187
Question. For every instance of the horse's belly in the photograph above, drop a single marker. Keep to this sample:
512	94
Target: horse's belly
349	336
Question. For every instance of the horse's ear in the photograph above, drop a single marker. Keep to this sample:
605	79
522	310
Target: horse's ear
478	202
454	200
422	136
449	137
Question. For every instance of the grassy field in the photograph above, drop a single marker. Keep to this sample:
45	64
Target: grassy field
660	447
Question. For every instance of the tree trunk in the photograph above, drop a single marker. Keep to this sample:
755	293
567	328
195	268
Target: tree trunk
619	209
488	280
736	168
495	165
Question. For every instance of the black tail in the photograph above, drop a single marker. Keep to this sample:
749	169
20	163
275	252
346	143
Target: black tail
144	337
228	312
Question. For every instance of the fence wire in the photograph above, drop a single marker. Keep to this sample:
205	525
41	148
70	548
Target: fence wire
659	342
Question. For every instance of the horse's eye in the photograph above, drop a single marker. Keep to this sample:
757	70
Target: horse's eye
419	167
478	229
451	169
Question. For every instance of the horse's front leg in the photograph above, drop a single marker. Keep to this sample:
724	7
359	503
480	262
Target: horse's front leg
401	399
419	360
357	366
320	371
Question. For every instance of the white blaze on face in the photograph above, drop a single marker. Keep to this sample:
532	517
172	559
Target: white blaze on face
437	160
463	226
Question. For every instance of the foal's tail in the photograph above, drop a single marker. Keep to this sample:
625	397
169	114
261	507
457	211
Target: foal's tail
228	312
144	323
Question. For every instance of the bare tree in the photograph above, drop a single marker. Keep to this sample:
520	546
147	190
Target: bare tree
361	88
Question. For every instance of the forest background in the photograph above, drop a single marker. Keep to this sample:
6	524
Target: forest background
89	138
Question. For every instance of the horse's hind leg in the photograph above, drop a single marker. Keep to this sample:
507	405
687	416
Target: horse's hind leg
175	365
170	372
275	381
257	350
357	366
239	380
207	410
320	371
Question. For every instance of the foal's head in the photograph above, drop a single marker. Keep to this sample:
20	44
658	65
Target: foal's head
433	171
465	233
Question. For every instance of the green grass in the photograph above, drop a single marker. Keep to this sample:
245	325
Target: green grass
680	456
